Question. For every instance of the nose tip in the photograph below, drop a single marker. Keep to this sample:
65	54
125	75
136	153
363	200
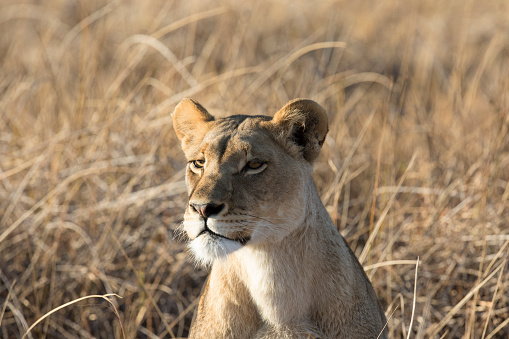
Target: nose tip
207	210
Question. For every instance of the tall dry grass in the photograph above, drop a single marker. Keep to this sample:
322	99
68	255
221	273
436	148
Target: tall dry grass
91	174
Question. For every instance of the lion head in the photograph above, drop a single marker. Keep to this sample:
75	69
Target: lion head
247	176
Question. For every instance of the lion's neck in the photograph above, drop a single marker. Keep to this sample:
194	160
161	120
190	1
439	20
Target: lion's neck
280	276
314	226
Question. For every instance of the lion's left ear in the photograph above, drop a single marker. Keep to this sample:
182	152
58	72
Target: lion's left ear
304	123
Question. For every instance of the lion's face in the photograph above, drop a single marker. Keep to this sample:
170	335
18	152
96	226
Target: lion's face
246	180
242	189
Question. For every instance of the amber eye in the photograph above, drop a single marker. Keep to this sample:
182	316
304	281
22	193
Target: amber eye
197	164
254	164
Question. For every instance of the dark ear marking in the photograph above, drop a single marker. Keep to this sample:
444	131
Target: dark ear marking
200	107
302	123
299	136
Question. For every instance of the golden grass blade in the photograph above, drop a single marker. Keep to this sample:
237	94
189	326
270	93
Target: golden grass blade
498	329
28	11
413	303
83	24
357	78
166	104
17	169
377	175
4	307
182	315
499	252
380	221
104	296
493	300
390	263
164	51
387	322
284	62
188	20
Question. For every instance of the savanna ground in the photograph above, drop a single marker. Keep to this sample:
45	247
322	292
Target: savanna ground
91	174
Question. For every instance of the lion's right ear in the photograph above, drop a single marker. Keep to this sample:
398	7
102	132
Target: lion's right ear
302	123
190	121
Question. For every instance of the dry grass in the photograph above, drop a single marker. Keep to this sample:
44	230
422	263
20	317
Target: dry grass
91	181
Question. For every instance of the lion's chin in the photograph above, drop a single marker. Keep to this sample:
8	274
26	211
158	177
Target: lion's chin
206	248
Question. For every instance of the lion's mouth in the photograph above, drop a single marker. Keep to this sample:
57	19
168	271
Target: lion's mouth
241	240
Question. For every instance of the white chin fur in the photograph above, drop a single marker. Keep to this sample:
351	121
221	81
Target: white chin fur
206	248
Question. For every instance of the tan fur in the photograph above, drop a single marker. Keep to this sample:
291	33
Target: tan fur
280	269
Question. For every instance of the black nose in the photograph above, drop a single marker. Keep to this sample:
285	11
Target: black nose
207	210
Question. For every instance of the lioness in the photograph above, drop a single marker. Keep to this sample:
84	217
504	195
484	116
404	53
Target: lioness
280	269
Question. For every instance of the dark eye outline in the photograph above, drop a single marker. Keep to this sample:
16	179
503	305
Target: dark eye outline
255	167
259	166
197	165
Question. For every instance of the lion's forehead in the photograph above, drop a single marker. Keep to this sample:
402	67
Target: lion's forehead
233	141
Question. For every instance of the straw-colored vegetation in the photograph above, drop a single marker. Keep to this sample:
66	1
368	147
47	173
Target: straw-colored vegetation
91	174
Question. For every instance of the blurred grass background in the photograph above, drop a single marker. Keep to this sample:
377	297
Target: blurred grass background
91	174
